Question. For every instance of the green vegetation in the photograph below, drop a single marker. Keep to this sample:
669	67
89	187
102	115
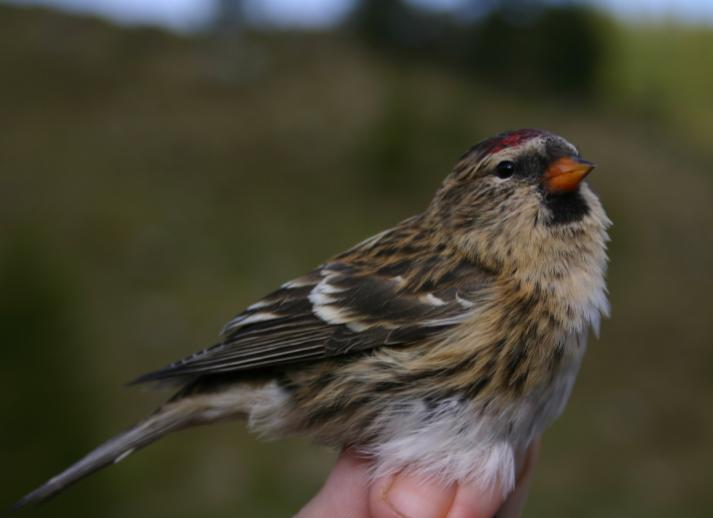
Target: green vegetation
151	186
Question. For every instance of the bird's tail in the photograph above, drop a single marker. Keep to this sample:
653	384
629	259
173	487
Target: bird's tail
171	417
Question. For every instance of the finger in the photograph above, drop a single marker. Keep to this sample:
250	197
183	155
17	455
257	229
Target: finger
345	493
408	496
513	506
474	501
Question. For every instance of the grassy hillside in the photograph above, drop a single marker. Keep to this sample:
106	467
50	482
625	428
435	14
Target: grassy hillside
151	186
664	72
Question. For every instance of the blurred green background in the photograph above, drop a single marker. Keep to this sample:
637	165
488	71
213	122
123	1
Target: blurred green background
153	184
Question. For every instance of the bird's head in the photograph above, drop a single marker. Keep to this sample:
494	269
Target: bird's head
518	200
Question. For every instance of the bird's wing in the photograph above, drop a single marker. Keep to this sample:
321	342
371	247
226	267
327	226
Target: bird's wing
340	308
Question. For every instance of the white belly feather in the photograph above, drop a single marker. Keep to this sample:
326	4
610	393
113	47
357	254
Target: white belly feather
463	441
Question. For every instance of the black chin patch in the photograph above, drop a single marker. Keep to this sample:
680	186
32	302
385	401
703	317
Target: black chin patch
566	207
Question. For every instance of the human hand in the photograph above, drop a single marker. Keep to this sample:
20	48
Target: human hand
348	493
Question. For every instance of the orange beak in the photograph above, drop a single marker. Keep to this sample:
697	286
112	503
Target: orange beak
565	174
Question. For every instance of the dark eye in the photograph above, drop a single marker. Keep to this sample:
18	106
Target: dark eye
505	169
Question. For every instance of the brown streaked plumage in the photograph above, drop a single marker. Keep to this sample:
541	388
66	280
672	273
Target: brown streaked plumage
443	345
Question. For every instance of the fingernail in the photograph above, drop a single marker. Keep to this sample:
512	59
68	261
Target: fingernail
411	497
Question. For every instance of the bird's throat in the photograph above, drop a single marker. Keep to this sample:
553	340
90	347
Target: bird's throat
566	207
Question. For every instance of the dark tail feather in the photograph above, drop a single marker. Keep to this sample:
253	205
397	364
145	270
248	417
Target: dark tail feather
167	419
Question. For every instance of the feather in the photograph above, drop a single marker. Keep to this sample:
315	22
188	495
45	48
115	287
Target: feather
344	307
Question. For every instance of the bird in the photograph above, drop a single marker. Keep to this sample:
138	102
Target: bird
444	345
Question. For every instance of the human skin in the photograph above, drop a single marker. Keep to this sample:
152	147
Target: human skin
350	493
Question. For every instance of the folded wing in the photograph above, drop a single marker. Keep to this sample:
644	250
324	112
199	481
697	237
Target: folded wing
339	308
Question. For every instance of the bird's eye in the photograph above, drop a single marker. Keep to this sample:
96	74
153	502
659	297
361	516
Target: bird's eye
505	169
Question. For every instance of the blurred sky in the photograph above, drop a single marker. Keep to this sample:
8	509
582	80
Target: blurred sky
187	15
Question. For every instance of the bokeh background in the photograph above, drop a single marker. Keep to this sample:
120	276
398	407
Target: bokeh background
162	164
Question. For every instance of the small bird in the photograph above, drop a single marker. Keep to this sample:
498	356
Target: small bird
444	345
